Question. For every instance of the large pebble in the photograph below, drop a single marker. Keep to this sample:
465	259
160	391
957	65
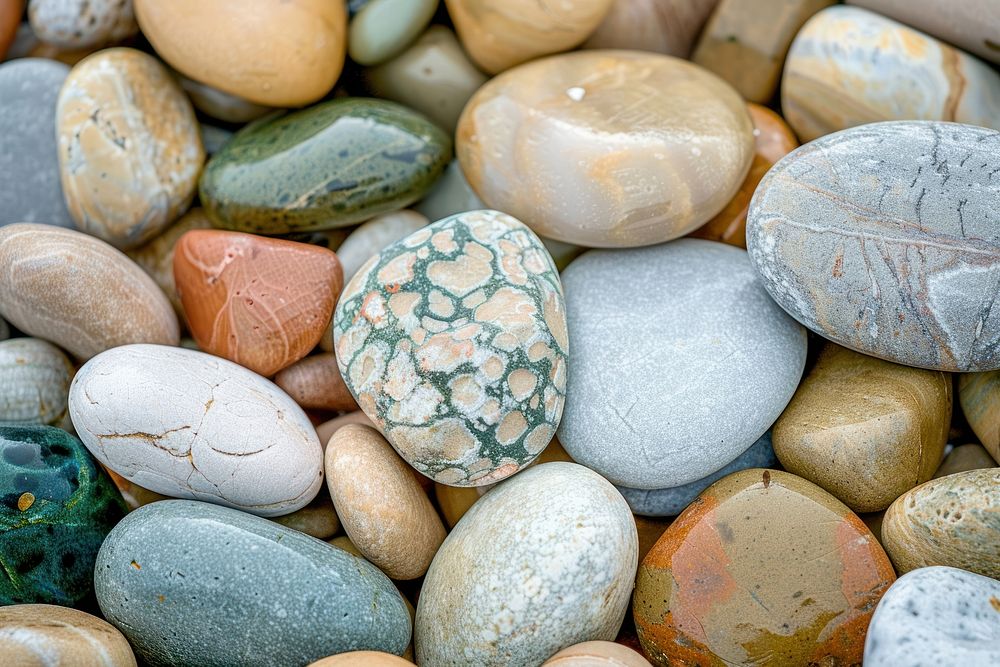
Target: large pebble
883	239
542	562
35	385
662	26
190	583
78	24
191	425
680	361
383	28
979	396
39	635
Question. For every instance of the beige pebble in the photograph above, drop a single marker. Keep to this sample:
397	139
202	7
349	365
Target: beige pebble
328	428
965	457
596	654
318	519
362	659
42	635
221	105
34	381
661	26
315	383
344	542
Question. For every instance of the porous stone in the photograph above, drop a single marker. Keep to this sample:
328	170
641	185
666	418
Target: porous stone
661	26
78	24
596	654
384	28
965	457
315	383
45	634
979	396
35	386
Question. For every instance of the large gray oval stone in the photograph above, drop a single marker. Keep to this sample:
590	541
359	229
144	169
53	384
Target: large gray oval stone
190	583
885	238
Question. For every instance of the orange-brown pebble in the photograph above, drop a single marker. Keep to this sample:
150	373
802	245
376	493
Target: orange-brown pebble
596	654
362	659
315	383
10	18
344	542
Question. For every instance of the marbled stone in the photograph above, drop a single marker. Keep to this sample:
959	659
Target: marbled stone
362	659
596	654
667	385
191	425
936	616
606	148
764	568
384	28
221	105
848	66
197	584
330	165
453	341
77	24
41	635
543	561
661	26
965	457
979	396
317	519
953	520
10	19
34	381
56	508
79	292
315	383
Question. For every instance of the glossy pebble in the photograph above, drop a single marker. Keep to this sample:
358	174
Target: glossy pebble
76	24
979	396
383	28
315	383
596	654
661	26
35	386
43	634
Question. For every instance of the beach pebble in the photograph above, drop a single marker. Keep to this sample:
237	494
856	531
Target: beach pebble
10	20
78	24
362	659
450	195
384	28
35	381
979	396
315	383
965	457
317	519
44	634
221	105
662	26
328	428
596	654
370	238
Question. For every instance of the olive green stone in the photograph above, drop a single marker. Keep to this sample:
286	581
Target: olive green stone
56	508
330	165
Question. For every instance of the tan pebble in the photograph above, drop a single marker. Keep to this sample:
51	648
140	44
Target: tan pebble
963	458
41	634
979	396
344	542
315	383
362	659
596	654
34	381
318	519
661	26
328	428
455	501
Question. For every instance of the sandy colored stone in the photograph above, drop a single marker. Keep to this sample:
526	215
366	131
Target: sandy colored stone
39	635
963	458
315	383
318	519
662	26
129	146
281	54
79	292
344	542
10	19
34	381
606	148
328	428
979	396
864	429
362	659
596	654
75	24
218	104
953	520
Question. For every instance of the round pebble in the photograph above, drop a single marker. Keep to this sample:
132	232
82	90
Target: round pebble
661	26
44	634
35	387
78	24
315	383
596	654
384	28
370	238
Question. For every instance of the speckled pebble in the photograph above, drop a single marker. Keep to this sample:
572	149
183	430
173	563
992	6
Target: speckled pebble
35	381
77	24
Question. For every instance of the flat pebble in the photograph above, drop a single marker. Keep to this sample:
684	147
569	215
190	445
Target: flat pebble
77	24
315	383
384	28
979	396
661	26
44	634
35	387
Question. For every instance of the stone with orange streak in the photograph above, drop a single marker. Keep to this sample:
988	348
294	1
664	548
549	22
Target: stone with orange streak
10	19
263	303
764	568
315	383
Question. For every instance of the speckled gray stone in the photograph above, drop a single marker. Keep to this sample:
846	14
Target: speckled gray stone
672	501
885	239
680	361
936	616
29	162
190	583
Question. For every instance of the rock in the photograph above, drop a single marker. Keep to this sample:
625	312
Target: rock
134	495
450	195
763	568
280	54
542	562
662	26
263	303
433	76
884	433
954	521
330	165
221	105
649	530
963	458
362	659
315	384
325	430
344	543
78	24
44	634
36	376
706	347
213	138
671	501
370	238
317	519
4	329
979	396
79	292
382	507
384	28
57	508
453	341
936	616
29	158
10	19
848	66
165	418
606	148
187	583
596	654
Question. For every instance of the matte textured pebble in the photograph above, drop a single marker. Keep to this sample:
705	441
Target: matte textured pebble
451	194
39	635
218	104
35	381
596	654
965	457
662	26
317	519
77	24
384	28
316	384
362	659
979	396
373	236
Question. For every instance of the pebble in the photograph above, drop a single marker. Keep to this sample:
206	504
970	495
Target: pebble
979	396
331	165
596	654
464	370
936	616
263	303
362	659
43	634
189	582
35	386
344	543
370	238
965	457
706	346
650	530
57	508
764	568
384	28
450	195
78	24
953	520
78	292
884	434
328	428
317	519
165	418
848	66
661	26
544	561
29	89
10	19
839	248
134	495
607	148
315	384
220	105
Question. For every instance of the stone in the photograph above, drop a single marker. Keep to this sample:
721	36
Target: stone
453	341
190	425
963	458
317	519
384	511
671	501
763	568
315	384
44	634
661	26
543	561
331	165
35	386
213	138
362	659
10	19
29	158
325	430
263	303
189	582
596	654
450	195
57	507
384	28
129	147
280	54
848	66
433	76
936	616
706	347
745	43
607	148
954	521
134	495
79	292
979	396
344	543
78	24
837	247
883	434
373	236
221	105
650	529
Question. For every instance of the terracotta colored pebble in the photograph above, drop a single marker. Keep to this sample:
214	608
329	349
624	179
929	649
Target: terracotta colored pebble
362	659
39	635
328	428
662	26
10	19
979	396
263	303
596	654
963	458
315	383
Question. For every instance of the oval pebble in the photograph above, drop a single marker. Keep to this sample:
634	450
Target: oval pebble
218	104
362	659
315	383
370	238
661	26
979	396
384	28
965	457
35	387
44	634
596	654
78	24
